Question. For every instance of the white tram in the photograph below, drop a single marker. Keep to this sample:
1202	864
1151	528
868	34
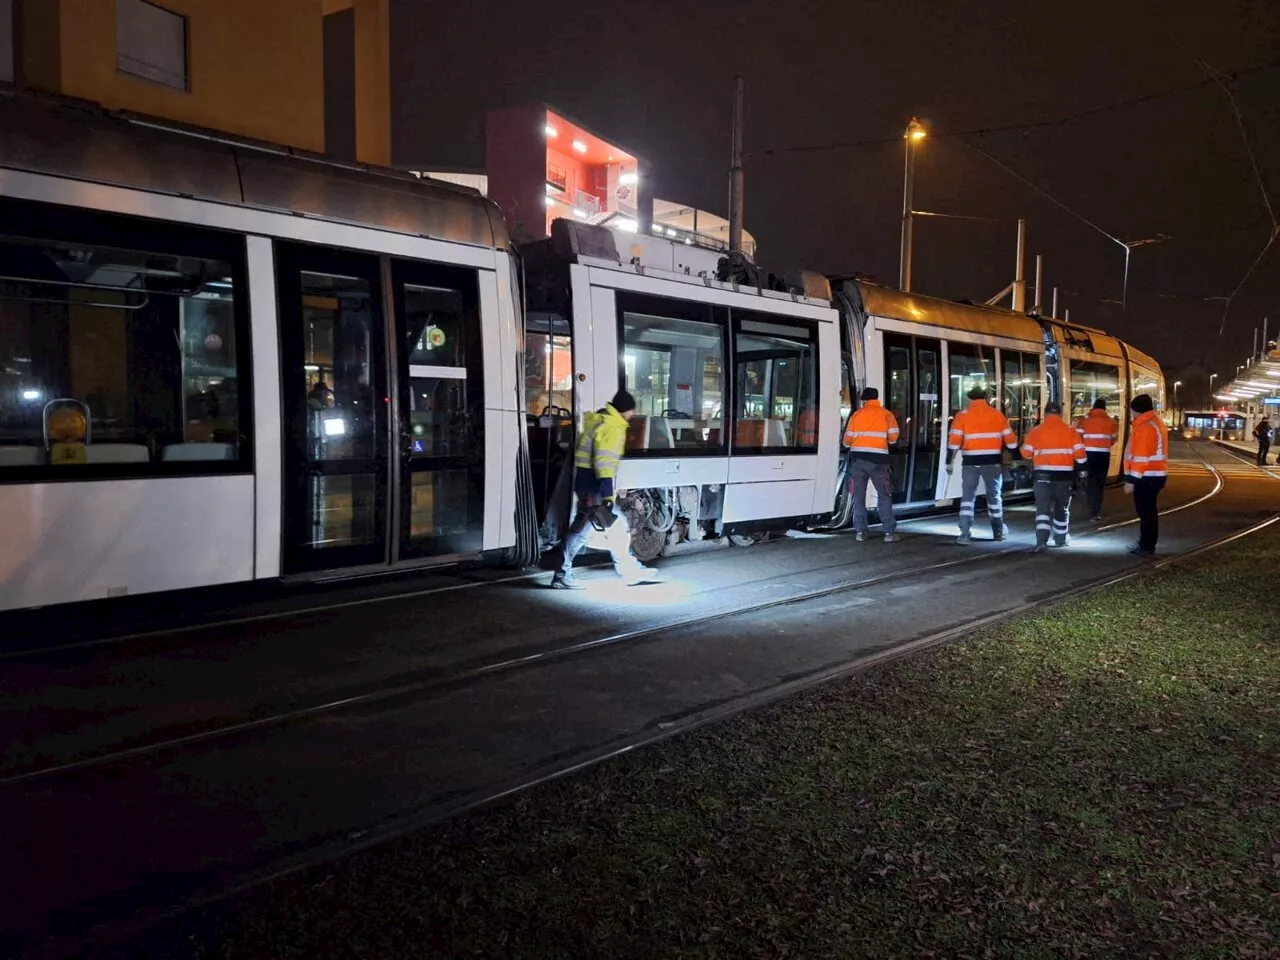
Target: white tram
222	361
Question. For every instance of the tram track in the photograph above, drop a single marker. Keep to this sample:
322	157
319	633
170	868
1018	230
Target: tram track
418	683
216	623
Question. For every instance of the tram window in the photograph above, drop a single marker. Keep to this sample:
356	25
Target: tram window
118	355
548	367
1020	399
1091	382
969	365
440	324
674	367
776	396
1144	381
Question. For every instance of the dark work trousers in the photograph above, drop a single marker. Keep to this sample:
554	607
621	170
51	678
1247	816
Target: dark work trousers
862	472
1096	478
1053	510
1146	494
1263	447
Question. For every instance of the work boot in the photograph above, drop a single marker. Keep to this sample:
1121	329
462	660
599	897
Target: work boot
1138	550
860	536
1063	542
1096	518
963	540
892	537
1040	548
1001	533
563	581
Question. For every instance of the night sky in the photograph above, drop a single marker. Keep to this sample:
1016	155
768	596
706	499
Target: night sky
656	78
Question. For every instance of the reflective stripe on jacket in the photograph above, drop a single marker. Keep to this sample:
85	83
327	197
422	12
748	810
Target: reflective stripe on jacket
870	432
1098	430
980	431
599	451
1147	453
1054	449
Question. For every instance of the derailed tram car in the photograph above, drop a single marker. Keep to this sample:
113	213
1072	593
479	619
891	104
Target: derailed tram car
738	388
744	391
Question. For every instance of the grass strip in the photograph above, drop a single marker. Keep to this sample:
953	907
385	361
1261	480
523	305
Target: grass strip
1098	780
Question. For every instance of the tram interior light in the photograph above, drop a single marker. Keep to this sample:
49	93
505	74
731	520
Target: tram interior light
628	225
335	427
579	146
656	228
551	131
580	213
31	395
670	232
629	178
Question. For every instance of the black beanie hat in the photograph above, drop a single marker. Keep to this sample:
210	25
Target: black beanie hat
1141	404
623	402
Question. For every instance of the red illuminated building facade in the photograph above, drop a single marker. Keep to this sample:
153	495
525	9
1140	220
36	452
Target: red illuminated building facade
541	166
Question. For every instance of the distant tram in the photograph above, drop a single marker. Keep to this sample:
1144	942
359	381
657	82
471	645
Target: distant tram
1214	425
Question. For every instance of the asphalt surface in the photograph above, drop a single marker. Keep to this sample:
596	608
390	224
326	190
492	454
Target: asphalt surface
150	772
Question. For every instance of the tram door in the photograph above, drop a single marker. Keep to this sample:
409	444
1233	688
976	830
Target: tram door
912	371
334	394
375	474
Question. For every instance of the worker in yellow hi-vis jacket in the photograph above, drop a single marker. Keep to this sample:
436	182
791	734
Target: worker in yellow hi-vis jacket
595	461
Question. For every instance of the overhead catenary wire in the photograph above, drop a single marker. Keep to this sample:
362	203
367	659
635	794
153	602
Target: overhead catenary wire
1220	80
1023	125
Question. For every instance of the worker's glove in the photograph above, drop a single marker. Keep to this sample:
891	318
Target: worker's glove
951	468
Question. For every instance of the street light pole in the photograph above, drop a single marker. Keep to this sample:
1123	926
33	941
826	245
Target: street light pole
914	134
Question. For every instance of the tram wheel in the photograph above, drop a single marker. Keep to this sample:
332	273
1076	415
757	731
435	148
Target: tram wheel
745	539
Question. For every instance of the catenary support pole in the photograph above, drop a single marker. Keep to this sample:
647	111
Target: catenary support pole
736	174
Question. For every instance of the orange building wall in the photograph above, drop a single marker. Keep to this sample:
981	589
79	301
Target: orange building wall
255	68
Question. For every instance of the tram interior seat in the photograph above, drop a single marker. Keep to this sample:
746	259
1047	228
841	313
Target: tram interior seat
759	434
649	433
117	453
198	451
21	456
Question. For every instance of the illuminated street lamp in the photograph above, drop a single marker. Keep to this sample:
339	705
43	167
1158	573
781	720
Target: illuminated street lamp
1176	385
915	132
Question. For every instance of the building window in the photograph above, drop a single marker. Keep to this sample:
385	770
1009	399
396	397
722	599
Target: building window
151	42
673	364
777	384
119	355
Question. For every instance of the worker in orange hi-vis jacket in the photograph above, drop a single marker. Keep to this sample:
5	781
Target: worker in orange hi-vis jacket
981	433
868	437
1099	432
1056	452
1146	467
